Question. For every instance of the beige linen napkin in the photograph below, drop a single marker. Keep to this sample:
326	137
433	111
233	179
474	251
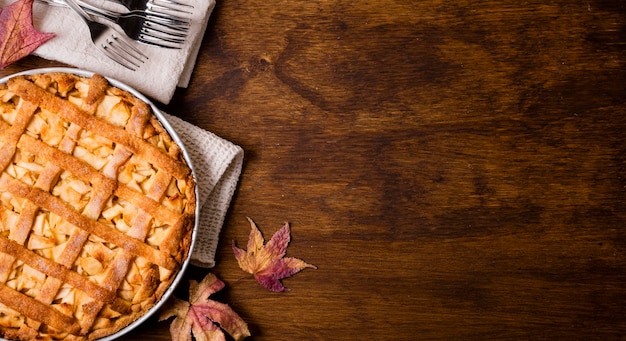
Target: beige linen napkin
157	78
217	163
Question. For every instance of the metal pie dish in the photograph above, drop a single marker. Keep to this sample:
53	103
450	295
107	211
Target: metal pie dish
170	130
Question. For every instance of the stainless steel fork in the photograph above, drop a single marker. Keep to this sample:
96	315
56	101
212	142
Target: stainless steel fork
150	28
110	42
181	23
147	29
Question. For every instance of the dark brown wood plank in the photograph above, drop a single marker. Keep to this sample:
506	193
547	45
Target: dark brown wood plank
455	169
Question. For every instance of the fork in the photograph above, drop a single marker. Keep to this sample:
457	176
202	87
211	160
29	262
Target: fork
150	32
178	22
148	28
109	42
145	29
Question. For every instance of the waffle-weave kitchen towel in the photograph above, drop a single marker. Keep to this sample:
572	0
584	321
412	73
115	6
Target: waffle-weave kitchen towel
218	165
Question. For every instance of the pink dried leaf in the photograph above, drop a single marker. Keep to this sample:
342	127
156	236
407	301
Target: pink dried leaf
266	262
203	318
18	36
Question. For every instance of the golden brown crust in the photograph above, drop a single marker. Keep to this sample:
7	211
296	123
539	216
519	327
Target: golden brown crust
96	208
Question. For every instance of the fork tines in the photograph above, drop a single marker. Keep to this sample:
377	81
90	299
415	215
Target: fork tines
123	53
170	20
161	35
168	43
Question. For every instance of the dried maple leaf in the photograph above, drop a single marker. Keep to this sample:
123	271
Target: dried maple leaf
204	318
18	36
266	262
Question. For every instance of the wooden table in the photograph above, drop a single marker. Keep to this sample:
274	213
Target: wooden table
456	170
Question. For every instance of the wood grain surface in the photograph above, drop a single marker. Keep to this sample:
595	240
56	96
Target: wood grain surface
455	169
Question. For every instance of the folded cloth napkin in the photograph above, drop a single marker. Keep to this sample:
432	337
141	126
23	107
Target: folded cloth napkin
157	78
217	163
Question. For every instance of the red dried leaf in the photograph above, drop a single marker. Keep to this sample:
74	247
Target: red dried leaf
266	262
18	37
201	317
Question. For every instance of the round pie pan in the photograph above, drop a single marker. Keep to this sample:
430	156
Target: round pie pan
164	122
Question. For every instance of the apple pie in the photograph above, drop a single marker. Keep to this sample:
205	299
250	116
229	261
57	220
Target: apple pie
97	207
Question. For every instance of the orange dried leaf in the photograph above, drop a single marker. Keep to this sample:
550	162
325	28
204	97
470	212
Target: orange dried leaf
18	36
267	262
201	317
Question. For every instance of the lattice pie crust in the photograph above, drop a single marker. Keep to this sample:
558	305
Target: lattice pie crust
97	208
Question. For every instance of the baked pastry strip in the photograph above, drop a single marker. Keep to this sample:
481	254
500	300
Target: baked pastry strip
44	99
34	310
18	301
78	238
64	210
139	230
88	174
11	135
37	310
